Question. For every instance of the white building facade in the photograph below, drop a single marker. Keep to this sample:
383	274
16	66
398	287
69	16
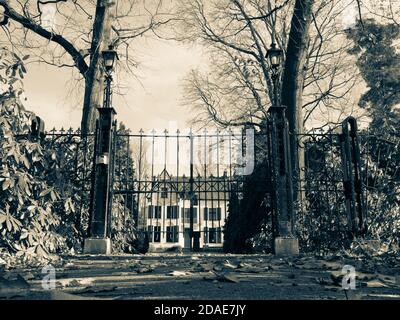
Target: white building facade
165	214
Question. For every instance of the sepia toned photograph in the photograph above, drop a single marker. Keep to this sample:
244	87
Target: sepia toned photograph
197	156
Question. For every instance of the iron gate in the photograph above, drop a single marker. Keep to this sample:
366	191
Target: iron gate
331	208
178	185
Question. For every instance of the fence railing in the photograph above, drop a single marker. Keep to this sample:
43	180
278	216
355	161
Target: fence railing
160	177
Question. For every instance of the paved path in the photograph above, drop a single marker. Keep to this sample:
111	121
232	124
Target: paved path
206	276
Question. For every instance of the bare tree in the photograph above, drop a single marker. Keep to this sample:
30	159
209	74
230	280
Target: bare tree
72	33
236	90
386	11
318	75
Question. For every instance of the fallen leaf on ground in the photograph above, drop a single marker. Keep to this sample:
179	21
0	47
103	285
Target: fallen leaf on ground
376	284
228	277
75	282
229	265
244	265
177	273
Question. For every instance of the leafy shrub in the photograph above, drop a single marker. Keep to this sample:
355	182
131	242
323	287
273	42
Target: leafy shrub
382	182
45	184
28	220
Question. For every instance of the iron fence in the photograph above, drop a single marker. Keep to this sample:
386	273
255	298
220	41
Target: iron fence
178	185
67	168
322	217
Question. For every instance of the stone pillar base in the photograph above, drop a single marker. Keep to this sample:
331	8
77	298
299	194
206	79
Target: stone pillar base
286	246
97	246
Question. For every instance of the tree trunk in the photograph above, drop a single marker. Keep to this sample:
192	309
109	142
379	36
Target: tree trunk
94	80
293	81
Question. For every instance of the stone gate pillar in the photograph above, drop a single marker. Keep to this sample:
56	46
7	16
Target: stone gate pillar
100	206
285	242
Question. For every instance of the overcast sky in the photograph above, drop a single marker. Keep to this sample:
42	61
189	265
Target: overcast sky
152	102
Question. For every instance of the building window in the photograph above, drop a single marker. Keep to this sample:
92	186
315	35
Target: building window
212	235
172	212
172	234
154	212
164	193
154	233
212	214
186	213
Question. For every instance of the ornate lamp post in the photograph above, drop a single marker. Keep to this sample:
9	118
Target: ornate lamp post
101	202
275	56
282	197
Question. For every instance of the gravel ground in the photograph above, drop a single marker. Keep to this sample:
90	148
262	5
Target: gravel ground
206	276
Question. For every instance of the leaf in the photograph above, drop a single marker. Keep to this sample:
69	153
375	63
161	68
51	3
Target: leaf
376	284
44	193
177	273
41	252
9	225
26	57
25	161
24	235
15	223
69	205
6	184
22	183
53	195
3	218
23	69
20	253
